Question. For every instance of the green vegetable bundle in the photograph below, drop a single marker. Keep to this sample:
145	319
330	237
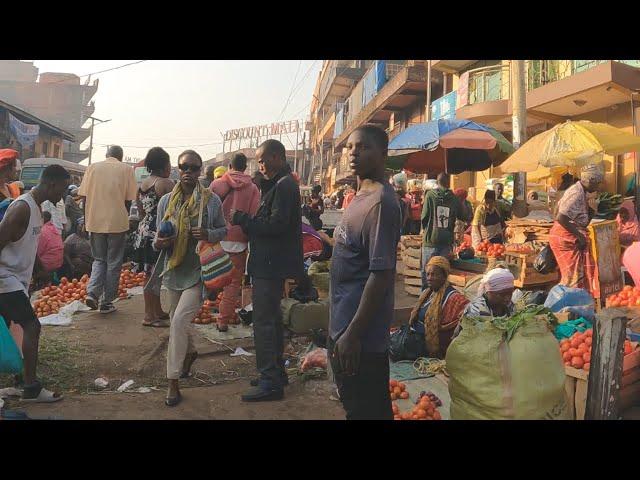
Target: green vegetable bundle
609	205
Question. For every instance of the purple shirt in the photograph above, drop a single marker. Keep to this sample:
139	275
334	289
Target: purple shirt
366	240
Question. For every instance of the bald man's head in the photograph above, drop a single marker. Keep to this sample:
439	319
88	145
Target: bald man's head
115	151
443	180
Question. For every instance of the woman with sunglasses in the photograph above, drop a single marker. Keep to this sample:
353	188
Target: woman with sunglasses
179	263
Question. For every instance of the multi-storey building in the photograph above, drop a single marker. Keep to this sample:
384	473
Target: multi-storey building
48	143
58	98
394	94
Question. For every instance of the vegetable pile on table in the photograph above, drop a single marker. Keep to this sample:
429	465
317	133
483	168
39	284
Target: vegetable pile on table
628	297
576	351
494	250
55	297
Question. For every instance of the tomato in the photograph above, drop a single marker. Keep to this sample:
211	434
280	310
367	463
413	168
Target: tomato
566	356
577	362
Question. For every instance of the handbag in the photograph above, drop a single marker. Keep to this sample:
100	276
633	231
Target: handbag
407	344
216	267
10	358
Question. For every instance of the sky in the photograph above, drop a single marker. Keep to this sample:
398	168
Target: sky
188	103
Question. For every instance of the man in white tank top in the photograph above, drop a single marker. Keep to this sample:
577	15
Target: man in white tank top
19	235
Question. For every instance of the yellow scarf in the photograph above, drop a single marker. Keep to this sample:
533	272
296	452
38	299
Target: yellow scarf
181	214
434	310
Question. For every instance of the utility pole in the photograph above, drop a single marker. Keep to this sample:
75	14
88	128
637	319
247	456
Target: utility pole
519	131
93	119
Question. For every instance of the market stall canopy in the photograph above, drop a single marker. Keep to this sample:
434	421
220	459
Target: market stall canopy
572	145
454	146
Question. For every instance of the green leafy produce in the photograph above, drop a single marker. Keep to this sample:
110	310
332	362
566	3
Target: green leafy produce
510	324
608	205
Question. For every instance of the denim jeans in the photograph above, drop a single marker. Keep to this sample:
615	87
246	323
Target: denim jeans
108	251
427	253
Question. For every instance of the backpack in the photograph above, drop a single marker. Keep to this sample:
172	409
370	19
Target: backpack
443	221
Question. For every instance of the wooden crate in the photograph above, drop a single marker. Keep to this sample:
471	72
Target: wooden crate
468	266
525	275
577	381
460	278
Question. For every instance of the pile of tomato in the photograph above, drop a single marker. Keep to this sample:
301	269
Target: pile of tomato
628	297
466	245
398	390
495	250
426	408
53	298
128	279
576	350
205	315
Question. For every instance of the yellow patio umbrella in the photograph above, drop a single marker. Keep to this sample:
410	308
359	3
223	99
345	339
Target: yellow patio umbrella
571	144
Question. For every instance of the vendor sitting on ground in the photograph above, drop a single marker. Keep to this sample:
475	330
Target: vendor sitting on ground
318	246
439	308
487	223
494	295
77	252
628	226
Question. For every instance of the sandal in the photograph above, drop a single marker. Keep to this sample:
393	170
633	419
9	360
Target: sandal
188	363
164	316
157	324
173	401
44	395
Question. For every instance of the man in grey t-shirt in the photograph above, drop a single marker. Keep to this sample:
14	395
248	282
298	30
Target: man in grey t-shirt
362	283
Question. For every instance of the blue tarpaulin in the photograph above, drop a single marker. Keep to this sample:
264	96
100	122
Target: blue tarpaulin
370	85
426	136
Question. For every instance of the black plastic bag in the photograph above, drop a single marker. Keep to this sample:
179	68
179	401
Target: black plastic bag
545	261
407	344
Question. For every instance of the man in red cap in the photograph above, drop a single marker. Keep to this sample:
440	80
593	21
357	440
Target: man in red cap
8	173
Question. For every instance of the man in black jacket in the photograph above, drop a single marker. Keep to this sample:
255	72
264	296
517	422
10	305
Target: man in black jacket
275	244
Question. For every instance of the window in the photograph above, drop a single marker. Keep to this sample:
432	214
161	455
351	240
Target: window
56	151
45	149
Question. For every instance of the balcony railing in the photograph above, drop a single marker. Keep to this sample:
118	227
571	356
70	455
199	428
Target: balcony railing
488	84
492	83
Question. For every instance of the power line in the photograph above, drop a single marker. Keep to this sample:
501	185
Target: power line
297	89
166	147
293	84
102	71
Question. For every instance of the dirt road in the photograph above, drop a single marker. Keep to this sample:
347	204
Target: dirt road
119	348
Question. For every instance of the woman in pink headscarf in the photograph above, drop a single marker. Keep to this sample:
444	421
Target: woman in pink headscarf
628	225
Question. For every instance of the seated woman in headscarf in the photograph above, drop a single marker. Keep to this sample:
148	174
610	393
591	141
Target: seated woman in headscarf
439	308
628	226
487	223
494	295
317	246
569	240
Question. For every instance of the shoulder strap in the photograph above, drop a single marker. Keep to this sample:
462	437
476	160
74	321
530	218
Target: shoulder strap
202	205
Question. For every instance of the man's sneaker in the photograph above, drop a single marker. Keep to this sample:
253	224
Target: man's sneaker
107	308
91	302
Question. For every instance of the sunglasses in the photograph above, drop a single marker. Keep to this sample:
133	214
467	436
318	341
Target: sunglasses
193	168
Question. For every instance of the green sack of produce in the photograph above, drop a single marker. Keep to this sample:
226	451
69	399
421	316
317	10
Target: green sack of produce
319	267
302	318
507	369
